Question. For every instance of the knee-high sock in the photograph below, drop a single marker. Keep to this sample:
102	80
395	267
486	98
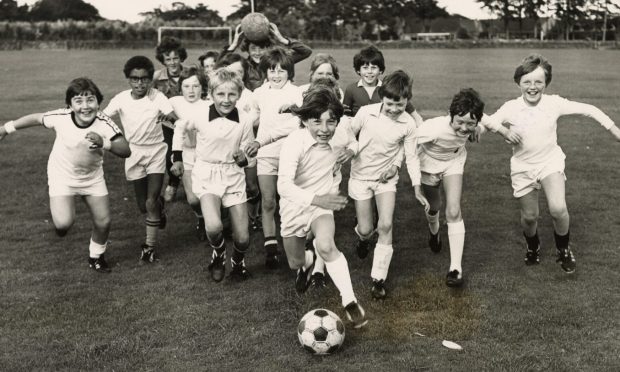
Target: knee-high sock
152	228
433	222
338	269
381	261
456	238
96	250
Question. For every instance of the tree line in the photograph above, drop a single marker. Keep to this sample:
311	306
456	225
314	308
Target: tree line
347	20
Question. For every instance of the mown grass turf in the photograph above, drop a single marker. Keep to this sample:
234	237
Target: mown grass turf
56	314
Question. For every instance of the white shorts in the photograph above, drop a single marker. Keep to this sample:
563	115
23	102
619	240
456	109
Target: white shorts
267	166
226	181
526	177
433	170
59	187
189	158
364	190
145	159
296	219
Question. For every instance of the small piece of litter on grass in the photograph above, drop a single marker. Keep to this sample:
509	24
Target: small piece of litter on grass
451	345
419	334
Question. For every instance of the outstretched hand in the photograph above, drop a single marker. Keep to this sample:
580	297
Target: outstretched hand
512	138
419	195
3	133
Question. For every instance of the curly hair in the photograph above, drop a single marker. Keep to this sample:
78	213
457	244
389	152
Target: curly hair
170	44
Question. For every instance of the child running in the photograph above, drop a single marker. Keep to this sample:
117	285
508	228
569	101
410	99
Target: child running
190	106
441	150
75	163
384	130
538	161
139	114
309	194
218	179
271	103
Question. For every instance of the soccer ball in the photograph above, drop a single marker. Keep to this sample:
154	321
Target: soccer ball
255	27
320	332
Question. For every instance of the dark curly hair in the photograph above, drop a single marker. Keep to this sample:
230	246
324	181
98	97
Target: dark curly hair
139	62
170	44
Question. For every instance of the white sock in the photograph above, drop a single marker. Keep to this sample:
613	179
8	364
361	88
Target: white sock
456	238
338	269
309	260
433	222
95	250
381	261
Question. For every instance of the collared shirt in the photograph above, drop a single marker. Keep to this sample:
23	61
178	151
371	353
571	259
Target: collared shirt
139	116
217	137
71	158
438	140
306	168
273	125
537	125
166	84
381	144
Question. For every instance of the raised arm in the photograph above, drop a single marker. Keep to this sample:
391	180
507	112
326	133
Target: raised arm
585	109
21	123
300	51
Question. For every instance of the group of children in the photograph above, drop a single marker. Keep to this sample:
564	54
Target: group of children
243	132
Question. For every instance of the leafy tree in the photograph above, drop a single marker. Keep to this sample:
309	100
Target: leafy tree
504	9
52	10
180	11
10	11
569	12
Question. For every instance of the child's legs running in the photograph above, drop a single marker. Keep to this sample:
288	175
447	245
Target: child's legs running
433	195
239	219
140	187
99	207
529	213
63	212
294	247
153	201
192	199
268	186
385	208
453	187
323	228
554	187
364	214
210	204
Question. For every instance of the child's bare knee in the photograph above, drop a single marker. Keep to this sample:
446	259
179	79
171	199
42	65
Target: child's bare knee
453	213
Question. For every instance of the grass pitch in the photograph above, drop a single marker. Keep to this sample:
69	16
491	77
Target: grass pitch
56	314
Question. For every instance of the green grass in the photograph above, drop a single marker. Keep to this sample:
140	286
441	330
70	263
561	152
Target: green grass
56	314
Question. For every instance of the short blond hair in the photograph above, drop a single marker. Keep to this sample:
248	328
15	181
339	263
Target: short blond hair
222	76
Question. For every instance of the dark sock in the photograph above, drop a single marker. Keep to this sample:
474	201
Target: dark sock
532	241
271	245
61	232
237	255
561	241
218	244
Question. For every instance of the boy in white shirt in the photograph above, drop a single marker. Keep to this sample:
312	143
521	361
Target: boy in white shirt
140	110
538	161
309	191
384	130
271	101
441	150
218	179
75	163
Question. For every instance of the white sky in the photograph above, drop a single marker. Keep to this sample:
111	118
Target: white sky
129	10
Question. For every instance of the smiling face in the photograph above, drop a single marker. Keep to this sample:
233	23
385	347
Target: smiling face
208	64
370	74
225	97
172	61
322	129
533	86
324	70
277	77
140	82
85	107
464	125
191	89
255	52
393	108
